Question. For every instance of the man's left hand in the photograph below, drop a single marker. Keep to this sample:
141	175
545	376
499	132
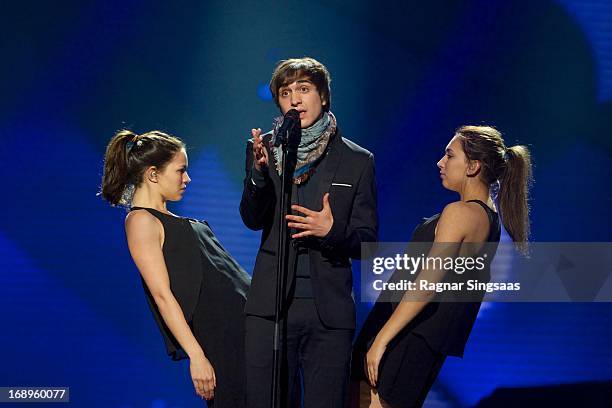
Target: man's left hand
315	223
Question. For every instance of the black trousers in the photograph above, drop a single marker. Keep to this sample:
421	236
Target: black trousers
316	360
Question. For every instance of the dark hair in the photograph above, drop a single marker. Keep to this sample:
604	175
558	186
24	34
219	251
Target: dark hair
290	70
511	166
128	155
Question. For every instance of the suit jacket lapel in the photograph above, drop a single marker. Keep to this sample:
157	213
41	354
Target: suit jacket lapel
326	172
324	176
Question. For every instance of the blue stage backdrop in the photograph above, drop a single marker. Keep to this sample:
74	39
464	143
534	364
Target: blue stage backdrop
405	75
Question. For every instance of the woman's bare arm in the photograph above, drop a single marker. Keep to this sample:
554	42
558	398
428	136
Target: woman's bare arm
144	235
452	228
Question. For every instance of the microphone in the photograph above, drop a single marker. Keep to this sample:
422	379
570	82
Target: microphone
290	120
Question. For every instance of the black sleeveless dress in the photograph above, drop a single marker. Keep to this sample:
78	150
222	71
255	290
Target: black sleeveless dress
414	358
211	289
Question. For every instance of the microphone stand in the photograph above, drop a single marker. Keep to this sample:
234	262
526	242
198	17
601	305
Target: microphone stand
288	155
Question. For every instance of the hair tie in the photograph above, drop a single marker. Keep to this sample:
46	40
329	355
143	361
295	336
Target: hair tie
129	145
507	155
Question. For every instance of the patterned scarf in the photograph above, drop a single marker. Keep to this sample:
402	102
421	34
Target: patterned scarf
312	145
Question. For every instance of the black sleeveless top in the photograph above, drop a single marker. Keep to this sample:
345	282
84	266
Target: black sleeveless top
203	276
445	326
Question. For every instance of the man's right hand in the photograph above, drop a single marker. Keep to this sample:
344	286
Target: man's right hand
260	153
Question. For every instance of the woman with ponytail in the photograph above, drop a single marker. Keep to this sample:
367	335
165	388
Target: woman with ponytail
195	289
402	345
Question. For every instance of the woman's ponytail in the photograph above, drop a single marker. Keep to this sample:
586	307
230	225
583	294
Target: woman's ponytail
513	195
116	172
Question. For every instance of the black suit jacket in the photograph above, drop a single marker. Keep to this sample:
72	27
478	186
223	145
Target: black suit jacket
347	173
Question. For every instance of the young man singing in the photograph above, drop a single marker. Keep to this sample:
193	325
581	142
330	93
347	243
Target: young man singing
333	211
